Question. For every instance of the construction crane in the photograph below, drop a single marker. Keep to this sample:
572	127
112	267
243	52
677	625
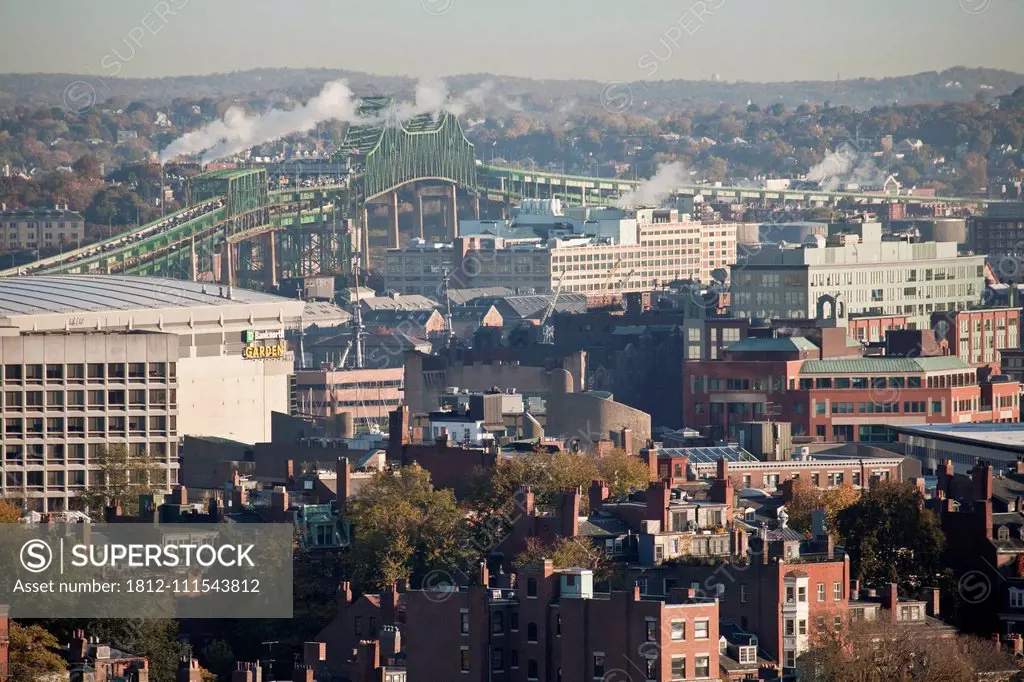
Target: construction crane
611	273
554	300
625	280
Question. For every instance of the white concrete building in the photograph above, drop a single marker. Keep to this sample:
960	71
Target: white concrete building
856	271
89	360
589	250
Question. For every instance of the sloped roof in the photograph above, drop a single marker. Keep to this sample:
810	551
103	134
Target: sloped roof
883	365
786	344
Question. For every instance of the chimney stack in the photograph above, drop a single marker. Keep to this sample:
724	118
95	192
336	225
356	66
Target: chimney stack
597	494
344	481
569	512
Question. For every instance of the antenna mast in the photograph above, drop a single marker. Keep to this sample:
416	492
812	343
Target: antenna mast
359	333
449	330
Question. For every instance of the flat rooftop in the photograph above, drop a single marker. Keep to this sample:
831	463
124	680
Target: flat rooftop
1002	436
49	294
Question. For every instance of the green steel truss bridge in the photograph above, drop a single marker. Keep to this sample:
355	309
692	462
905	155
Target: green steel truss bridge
239	230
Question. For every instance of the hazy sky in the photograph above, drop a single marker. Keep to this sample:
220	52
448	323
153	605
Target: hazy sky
758	40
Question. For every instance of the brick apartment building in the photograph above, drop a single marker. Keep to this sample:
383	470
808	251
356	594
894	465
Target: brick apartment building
543	624
832	394
977	336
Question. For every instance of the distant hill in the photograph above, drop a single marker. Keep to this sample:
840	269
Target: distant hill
535	96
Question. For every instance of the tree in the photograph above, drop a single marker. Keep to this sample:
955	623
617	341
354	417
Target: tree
807	498
911	652
546	473
566	553
87	166
891	537
120	479
623	472
32	653
9	513
404	528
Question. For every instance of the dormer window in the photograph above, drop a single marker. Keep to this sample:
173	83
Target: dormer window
1003	533
748	655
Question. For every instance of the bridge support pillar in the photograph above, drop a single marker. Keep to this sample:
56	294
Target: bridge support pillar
227	265
476	207
365	229
453	229
193	261
270	260
419	211
583	196
394	220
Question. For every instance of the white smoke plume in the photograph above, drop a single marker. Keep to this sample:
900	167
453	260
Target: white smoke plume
843	166
240	131
653	191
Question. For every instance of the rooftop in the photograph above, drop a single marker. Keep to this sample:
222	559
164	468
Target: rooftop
709	455
884	365
789	344
46	294
1004	436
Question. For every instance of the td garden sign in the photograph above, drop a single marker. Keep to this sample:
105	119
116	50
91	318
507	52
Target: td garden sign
263	345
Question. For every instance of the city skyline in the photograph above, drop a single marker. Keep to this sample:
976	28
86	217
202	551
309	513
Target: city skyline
596	40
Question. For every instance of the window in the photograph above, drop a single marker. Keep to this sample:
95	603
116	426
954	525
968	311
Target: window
790	659
821	591
790	593
789	627
359	625
837	622
700	629
531	669
679	630
801	594
702	666
136	370
513	621
743	594
652	630
598	665
748	655
498	623
54	372
802	627
678	667
531	632
837	591
115	371
651	668
465	659
531	587
464	622
497	659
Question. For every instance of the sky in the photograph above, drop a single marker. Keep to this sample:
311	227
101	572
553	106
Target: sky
604	40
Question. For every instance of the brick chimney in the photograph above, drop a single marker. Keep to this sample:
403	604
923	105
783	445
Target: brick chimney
345	593
179	496
918	482
636	591
721	488
626	440
984	512
188	671
945	475
659	497
650	455
981	475
247	672
891	601
302	673
314	652
522	498
596	495
931	595
398	431
1019	466
390	643
369	658
389	603
344	481
78	649
569	512
485	575
279	505
239	497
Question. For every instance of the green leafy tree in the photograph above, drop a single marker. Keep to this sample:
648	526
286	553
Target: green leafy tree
120	478
404	528
623	472
566	553
891	537
32	651
807	498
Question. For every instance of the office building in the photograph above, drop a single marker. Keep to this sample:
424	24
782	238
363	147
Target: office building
41	229
615	250
1000	234
856	271
93	360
